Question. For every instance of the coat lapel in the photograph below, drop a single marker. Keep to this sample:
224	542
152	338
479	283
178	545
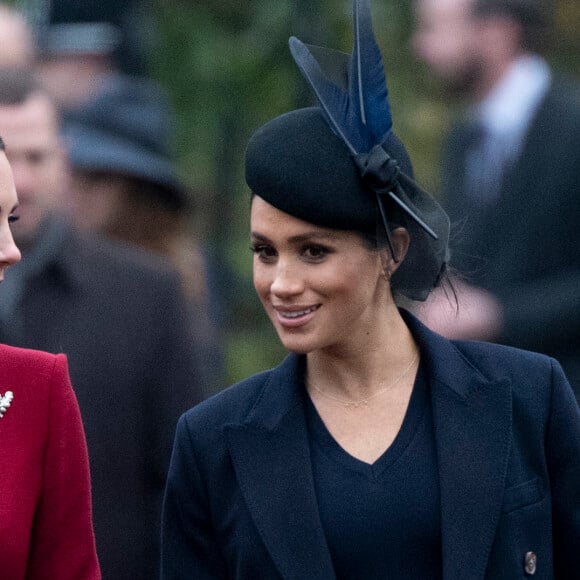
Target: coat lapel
271	457
472	421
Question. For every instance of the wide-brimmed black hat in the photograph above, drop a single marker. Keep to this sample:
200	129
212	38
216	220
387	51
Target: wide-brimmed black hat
341	166
125	130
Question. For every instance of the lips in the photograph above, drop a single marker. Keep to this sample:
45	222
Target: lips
297	313
293	317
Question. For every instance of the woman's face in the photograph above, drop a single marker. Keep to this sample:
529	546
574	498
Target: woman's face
320	287
9	253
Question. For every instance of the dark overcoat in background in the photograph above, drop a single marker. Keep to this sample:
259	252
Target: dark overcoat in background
526	248
119	317
241	503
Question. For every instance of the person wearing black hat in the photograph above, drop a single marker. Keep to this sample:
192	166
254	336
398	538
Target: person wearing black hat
377	449
125	186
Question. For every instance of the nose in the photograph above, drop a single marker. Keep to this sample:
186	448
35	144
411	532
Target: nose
287	280
9	252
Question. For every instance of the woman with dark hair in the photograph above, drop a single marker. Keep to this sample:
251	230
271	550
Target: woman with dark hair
377	449
45	510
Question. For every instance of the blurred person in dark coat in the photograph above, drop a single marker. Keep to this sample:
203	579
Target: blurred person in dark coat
125	186
510	177
118	315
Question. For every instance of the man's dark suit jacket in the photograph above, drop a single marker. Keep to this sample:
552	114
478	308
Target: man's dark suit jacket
241	502
132	363
526	249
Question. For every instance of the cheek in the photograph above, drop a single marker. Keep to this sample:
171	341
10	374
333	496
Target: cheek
352	281
262	280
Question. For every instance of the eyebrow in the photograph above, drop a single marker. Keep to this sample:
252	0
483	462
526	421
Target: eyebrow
301	238
12	210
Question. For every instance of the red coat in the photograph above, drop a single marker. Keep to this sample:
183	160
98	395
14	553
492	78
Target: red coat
45	503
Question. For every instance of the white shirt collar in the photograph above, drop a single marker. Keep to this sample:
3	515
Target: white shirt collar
508	110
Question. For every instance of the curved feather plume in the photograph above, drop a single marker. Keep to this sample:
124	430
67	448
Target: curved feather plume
352	92
369	90
357	108
333	99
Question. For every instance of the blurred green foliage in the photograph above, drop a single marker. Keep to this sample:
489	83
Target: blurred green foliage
228	69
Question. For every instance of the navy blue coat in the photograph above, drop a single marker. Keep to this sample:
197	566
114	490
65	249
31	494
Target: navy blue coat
240	499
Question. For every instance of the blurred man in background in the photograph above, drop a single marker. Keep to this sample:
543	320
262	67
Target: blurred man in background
119	316
510	177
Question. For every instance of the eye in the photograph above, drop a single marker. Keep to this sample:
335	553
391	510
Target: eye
315	252
13	218
264	252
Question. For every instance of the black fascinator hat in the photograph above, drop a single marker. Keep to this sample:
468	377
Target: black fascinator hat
341	166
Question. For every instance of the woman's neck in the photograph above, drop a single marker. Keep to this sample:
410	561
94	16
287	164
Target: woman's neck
366	365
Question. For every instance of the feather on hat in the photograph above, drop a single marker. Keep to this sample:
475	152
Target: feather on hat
355	177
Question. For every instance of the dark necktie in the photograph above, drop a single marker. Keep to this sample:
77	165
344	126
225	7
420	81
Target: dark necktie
485	164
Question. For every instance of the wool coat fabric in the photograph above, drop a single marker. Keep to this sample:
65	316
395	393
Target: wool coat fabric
46	528
119	317
524	248
240	499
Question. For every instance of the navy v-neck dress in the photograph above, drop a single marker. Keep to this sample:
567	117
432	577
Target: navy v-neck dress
381	520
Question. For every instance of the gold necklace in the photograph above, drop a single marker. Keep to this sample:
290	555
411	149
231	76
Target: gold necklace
365	402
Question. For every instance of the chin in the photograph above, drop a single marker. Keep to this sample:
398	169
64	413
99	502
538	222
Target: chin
297	345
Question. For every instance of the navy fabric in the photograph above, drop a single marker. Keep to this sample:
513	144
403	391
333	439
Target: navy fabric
240	500
381	520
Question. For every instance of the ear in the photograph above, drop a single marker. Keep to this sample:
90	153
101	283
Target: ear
401	240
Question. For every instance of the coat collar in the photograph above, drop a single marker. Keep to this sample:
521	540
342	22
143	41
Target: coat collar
472	421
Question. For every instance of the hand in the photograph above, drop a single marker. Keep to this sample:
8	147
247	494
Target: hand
475	315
